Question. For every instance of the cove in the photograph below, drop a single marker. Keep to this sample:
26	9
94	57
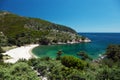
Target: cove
99	43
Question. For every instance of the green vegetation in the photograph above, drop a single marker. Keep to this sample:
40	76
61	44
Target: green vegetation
73	62
83	37
84	56
3	39
59	53
72	68
109	74
54	70
19	30
110	64
17	71
1	55
113	52
65	68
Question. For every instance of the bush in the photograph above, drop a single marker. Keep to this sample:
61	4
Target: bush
73	62
108	74
84	56
113	52
17	71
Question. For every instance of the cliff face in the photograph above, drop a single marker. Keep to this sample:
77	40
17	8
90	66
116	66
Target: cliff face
25	30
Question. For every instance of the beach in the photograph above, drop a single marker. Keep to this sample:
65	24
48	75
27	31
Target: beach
23	52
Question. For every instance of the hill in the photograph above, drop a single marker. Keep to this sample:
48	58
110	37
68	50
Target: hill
19	30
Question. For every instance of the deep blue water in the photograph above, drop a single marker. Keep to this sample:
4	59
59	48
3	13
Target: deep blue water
99	43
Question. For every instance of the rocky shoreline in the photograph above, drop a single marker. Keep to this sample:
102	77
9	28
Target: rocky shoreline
87	40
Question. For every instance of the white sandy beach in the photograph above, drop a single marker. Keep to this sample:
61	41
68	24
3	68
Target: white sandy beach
23	52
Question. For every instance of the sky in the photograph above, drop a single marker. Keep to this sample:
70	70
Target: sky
81	15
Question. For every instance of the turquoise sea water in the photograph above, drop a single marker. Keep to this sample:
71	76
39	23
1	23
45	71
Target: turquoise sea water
99	43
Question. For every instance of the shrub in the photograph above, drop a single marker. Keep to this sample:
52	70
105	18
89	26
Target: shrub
113	52
84	56
73	62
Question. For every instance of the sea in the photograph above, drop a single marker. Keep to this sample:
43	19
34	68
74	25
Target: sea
98	46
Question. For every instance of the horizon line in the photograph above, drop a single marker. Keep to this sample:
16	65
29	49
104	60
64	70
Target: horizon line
98	32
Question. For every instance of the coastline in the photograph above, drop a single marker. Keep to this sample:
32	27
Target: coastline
31	53
23	52
74	42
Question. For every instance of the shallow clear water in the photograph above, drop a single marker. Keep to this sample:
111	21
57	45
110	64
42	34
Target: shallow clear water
99	43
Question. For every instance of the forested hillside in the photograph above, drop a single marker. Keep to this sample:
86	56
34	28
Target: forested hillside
19	30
